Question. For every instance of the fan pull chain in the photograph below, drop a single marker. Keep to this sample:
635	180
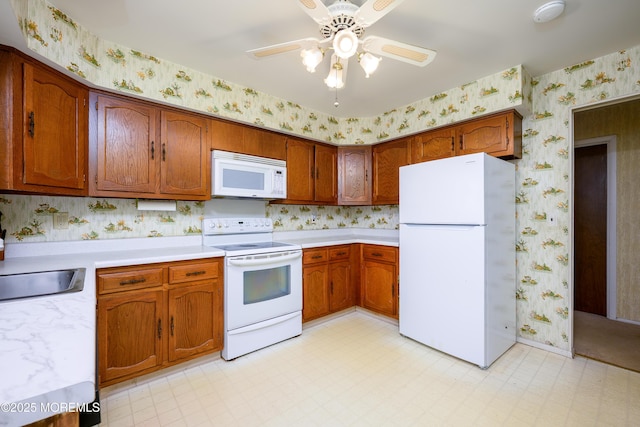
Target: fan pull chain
336	103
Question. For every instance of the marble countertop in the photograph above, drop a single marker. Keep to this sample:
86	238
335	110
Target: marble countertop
48	343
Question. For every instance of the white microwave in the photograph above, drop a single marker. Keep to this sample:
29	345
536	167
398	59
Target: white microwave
242	175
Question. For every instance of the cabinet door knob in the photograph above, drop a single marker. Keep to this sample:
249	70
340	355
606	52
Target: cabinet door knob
32	124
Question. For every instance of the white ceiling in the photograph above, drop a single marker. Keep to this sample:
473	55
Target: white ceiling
473	39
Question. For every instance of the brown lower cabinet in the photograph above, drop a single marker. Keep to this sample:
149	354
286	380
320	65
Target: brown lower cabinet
327	284
155	315
379	279
339	277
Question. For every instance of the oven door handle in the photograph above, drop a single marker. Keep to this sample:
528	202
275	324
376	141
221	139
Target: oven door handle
264	261
263	324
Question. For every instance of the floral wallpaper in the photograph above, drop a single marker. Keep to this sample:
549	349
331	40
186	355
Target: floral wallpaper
543	175
32	218
543	189
295	218
55	35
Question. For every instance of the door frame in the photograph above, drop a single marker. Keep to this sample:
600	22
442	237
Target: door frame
610	142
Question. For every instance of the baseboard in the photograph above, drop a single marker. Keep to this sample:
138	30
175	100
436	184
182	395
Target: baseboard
545	347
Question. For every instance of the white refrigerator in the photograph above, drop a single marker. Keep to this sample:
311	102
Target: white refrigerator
457	256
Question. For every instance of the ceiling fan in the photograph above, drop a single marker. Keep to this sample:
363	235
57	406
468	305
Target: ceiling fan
342	26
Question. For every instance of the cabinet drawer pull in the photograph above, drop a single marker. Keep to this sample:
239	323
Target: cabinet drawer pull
316	257
132	281
196	273
376	254
32	124
171	326
341	253
159	329
153	150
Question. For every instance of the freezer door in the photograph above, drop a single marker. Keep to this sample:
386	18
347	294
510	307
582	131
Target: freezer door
445	191
442	288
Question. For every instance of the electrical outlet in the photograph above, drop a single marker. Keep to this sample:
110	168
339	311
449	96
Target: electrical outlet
60	220
552	220
314	217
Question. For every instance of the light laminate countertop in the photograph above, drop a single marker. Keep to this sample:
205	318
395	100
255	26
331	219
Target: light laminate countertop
48	343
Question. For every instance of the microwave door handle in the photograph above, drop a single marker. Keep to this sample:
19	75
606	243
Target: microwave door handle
264	261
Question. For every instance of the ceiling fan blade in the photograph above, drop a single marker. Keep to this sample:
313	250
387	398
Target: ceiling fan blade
404	52
316	10
373	10
277	49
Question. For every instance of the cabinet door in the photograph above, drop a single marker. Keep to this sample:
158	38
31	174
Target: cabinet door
315	291
387	160
432	145
340	289
354	175
130	333
326	174
193	325
55	132
184	155
379	287
226	136
127	146
263	143
487	135
300	170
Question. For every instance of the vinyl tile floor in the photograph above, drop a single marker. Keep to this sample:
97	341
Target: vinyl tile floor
357	370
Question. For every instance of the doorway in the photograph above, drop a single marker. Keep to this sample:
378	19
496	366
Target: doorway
612	334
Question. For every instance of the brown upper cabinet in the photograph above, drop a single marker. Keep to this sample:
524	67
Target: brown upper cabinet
388	157
44	117
141	150
432	145
244	139
311	172
354	175
499	135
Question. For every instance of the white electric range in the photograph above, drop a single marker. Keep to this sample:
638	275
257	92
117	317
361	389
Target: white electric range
262	283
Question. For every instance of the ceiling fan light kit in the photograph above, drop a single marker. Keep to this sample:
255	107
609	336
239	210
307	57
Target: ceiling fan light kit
342	27
337	71
548	11
311	58
369	63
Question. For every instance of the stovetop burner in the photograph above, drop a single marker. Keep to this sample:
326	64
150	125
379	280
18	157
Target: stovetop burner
242	236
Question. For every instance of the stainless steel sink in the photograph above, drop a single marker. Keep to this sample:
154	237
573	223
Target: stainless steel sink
25	285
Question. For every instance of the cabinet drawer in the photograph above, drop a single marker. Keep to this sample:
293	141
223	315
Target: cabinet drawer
193	271
339	252
312	256
117	281
379	253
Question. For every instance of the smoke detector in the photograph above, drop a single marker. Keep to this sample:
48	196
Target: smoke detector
548	11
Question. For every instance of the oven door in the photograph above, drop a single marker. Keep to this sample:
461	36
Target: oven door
261	287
